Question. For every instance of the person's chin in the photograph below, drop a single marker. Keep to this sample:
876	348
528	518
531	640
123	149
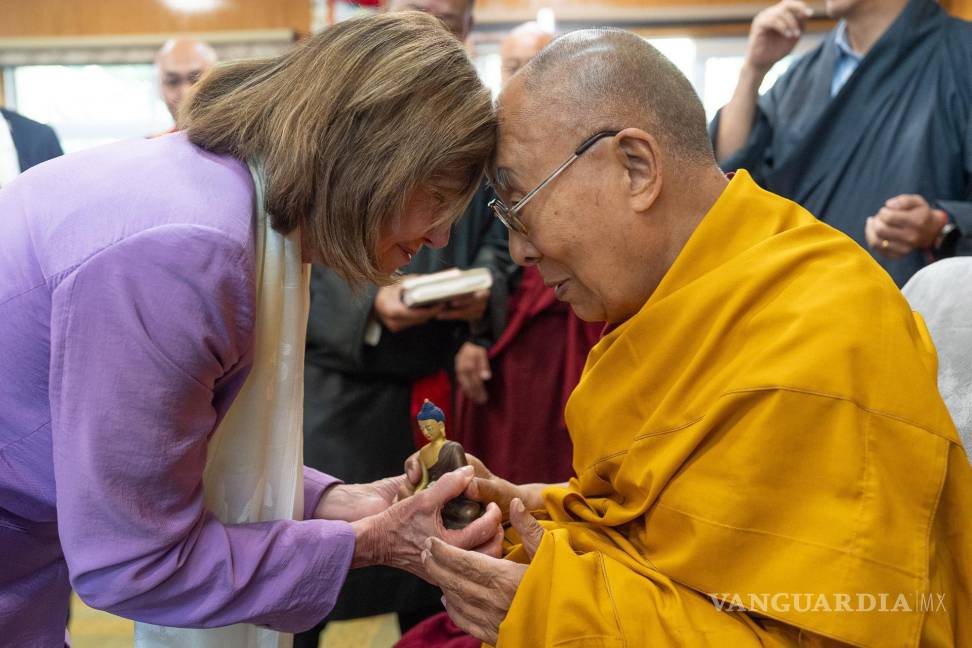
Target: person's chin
390	266
395	259
585	306
582	310
838	9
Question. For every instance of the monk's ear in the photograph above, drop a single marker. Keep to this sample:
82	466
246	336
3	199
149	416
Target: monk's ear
641	156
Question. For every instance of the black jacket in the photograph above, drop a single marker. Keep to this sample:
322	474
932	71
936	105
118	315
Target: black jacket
35	142
901	124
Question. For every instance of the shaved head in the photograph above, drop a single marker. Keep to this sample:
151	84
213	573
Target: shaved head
185	50
521	45
608	79
181	62
603	169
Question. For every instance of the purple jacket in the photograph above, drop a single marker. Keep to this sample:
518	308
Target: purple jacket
126	321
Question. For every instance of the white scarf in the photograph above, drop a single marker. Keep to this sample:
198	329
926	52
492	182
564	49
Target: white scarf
255	457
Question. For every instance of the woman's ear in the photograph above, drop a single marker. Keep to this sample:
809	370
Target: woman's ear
641	156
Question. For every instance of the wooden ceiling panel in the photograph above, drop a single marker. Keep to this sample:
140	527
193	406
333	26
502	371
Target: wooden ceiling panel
42	18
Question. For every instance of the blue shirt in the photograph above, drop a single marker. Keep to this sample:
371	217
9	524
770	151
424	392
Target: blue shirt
847	60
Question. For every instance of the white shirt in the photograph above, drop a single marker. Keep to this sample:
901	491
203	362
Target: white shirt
847	60
9	163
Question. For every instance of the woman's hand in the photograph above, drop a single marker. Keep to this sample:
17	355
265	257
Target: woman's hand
351	502
397	536
479	589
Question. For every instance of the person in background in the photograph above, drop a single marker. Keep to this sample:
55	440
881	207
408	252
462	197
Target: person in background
455	15
519	46
871	131
371	361
181	62
24	143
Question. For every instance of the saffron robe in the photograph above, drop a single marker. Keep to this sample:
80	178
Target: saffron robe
767	423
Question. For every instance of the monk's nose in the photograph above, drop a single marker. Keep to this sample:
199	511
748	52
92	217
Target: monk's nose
522	250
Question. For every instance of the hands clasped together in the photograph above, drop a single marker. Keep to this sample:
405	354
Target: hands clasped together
905	223
395	527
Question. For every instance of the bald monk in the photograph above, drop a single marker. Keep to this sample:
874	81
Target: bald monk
761	452
181	62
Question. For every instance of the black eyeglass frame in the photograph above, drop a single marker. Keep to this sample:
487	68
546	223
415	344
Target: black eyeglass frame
509	215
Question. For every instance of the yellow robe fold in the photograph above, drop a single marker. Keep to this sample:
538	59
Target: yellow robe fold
767	425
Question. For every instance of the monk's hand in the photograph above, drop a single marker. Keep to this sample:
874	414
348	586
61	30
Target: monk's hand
487	487
350	502
472	370
468	308
395	315
478	589
397	536
530	531
775	32
905	223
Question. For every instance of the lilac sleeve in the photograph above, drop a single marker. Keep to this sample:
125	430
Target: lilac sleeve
315	483
140	335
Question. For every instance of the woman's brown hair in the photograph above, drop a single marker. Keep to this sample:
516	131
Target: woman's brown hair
348	125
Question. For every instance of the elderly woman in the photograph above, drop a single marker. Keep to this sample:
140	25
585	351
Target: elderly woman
146	286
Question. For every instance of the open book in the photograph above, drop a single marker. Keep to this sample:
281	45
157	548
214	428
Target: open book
443	286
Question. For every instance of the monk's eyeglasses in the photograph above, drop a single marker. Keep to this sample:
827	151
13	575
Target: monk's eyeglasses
510	216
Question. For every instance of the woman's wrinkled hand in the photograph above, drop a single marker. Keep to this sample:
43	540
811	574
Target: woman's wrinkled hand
397	536
478	589
351	502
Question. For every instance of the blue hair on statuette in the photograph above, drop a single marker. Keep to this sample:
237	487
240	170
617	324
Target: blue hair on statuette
430	412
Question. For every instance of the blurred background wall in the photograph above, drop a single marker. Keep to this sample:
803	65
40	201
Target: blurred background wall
85	66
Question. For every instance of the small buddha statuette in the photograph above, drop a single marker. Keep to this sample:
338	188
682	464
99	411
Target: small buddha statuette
438	457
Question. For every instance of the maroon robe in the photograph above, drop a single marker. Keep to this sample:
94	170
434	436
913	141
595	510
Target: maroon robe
519	433
437	632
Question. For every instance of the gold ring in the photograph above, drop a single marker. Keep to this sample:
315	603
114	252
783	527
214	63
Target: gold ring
884	244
